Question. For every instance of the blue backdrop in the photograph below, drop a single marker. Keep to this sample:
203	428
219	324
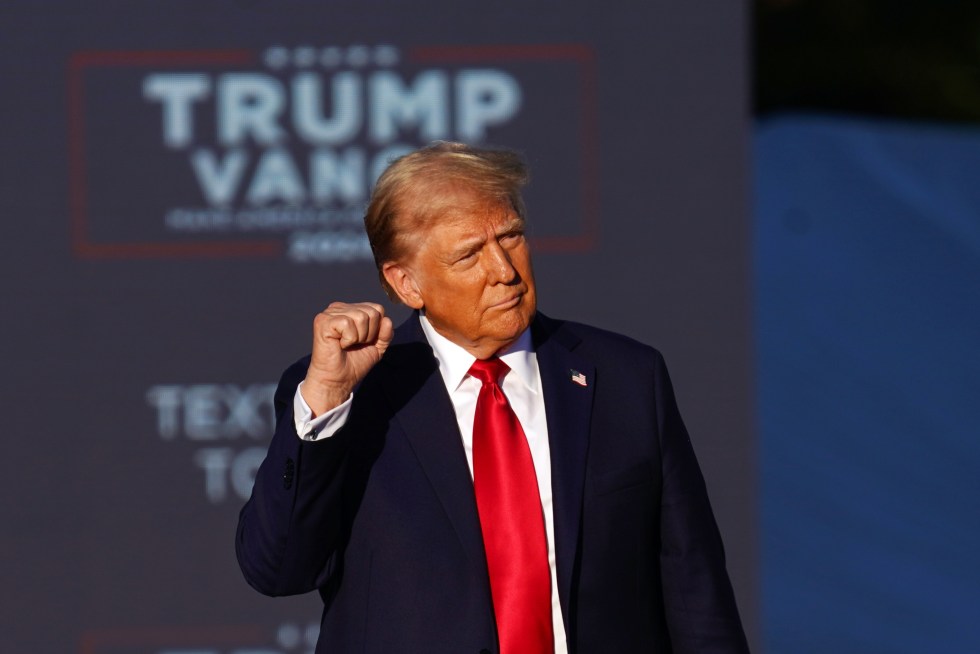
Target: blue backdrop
867	250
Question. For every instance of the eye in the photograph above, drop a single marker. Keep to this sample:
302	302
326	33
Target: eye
511	238
465	257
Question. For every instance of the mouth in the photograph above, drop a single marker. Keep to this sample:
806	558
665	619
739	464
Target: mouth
508	303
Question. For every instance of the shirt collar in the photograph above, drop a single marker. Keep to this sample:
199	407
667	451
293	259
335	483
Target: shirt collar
455	362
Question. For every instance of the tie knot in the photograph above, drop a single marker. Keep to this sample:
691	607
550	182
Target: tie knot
489	371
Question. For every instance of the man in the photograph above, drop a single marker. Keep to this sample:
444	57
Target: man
484	478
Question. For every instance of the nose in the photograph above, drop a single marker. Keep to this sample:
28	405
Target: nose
500	269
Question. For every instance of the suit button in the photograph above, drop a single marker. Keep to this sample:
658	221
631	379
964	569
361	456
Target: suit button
287	475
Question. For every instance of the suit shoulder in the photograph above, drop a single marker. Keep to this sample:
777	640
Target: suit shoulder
598	341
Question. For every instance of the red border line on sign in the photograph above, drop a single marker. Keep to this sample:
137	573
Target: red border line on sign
589	129
92	642
78	64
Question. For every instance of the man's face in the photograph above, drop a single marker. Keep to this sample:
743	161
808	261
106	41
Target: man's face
472	273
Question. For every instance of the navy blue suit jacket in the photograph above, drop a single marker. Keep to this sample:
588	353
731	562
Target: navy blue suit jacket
381	518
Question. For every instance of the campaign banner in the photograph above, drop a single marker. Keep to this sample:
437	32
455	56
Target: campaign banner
272	153
184	186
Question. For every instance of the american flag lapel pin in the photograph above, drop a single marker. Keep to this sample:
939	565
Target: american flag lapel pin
579	378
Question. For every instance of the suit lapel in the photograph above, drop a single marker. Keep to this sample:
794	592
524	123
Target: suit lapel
425	414
568	407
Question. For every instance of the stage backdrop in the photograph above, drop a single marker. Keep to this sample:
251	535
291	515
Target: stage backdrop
182	185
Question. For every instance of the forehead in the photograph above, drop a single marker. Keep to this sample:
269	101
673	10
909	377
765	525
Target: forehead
458	209
476	219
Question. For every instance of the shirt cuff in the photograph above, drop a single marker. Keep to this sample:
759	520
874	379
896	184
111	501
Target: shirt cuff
324	426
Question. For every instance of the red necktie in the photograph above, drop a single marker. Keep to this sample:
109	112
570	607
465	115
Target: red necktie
510	515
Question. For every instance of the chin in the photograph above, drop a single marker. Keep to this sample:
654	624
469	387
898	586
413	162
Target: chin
517	322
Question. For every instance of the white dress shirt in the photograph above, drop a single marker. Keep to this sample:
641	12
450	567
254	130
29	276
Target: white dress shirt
522	386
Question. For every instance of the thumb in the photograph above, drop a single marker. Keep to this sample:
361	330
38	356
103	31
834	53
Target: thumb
385	333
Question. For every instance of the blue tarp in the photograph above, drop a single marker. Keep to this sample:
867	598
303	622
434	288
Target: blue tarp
867	251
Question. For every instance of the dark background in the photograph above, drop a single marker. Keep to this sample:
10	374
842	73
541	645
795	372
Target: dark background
138	358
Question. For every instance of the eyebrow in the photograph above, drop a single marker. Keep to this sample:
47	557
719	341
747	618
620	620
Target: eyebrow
466	246
516	225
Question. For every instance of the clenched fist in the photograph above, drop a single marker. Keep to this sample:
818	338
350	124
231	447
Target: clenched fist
348	340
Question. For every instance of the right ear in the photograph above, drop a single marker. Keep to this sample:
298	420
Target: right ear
403	282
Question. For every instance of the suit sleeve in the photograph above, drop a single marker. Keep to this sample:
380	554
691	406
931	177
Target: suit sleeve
289	529
700	607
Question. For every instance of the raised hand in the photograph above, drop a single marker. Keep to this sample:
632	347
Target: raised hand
348	340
